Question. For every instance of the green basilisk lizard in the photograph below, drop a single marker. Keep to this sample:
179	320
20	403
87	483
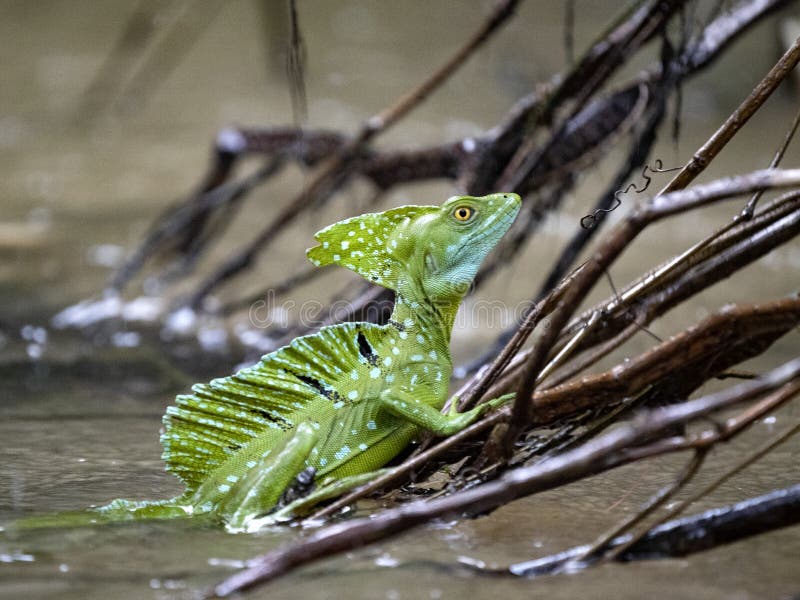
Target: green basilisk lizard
336	405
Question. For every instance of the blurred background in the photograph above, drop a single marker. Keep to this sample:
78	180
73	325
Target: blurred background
88	161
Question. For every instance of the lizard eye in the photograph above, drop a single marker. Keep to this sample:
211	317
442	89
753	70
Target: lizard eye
463	213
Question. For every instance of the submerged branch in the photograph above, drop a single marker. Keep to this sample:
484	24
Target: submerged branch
682	537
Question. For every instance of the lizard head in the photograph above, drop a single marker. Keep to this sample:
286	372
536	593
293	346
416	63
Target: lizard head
435	250
454	241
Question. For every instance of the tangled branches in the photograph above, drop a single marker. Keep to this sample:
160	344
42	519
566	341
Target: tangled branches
550	389
539	148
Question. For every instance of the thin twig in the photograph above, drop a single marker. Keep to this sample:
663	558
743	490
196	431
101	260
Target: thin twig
736	121
730	248
295	66
687	473
747	213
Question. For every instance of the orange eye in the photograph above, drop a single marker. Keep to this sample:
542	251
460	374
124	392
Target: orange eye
463	213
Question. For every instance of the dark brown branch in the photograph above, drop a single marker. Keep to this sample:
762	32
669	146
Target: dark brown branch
595	67
181	224
704	350
682	537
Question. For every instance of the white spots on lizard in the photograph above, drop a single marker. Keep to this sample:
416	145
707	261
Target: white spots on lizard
395	350
250	464
345	245
375	372
223	488
420	338
403	335
354	375
432	354
387	361
342	452
408	323
352	394
371	425
362	447
338	404
416	357
337	257
232	478
389	378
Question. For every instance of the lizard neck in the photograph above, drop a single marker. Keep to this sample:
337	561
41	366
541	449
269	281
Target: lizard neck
426	323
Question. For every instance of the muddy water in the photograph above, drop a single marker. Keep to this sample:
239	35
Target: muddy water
79	420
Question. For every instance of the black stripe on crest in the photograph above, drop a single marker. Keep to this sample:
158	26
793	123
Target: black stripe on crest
366	350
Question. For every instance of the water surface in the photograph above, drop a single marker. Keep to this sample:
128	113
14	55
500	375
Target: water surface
79	415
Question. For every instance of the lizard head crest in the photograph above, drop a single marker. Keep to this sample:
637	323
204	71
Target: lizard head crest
437	247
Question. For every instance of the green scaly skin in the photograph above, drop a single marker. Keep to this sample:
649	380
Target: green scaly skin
343	401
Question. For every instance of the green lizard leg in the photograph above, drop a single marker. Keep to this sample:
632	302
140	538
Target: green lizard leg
259	490
416	411
331	490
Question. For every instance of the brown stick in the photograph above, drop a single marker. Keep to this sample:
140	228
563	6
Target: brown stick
736	121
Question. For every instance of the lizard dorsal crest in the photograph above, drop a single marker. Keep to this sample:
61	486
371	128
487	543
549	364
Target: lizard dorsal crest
368	244
207	427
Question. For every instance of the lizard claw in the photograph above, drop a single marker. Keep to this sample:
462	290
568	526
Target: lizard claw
454	405
498	402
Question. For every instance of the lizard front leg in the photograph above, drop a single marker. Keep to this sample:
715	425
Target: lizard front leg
411	408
